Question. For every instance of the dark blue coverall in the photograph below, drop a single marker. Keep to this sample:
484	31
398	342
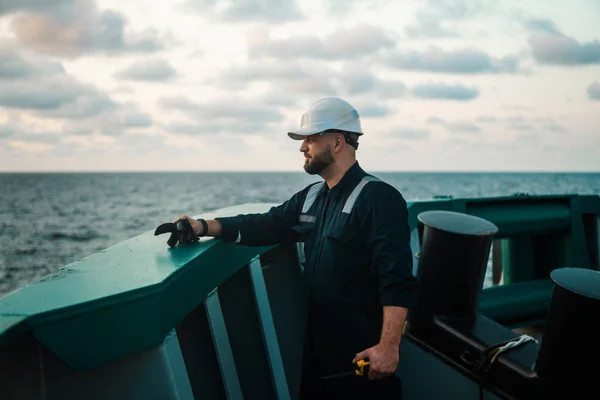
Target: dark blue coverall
358	259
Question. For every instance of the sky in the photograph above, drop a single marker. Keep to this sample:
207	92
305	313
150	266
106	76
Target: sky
211	85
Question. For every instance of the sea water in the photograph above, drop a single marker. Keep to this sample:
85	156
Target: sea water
48	220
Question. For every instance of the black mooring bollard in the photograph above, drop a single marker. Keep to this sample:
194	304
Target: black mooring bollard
454	255
570	346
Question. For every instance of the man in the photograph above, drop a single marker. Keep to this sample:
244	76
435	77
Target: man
358	261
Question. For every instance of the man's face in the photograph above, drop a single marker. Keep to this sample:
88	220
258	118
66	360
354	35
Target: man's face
317	153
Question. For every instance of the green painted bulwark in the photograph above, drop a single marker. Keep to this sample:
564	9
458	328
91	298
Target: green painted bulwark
128	297
124	299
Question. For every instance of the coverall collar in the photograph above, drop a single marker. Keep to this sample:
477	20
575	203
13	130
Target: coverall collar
352	176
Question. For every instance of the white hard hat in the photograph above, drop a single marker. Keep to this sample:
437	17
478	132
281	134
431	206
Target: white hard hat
325	114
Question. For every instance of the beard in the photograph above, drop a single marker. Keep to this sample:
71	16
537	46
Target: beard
319	162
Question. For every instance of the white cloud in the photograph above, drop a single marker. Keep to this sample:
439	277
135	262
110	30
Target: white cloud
343	44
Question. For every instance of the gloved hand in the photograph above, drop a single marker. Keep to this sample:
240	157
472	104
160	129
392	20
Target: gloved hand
181	232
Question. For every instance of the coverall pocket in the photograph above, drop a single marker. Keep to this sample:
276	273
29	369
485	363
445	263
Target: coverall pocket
343	249
344	235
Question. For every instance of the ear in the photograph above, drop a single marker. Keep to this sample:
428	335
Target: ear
339	142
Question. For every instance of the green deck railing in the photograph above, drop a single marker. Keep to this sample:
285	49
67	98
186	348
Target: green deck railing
130	296
123	299
536	235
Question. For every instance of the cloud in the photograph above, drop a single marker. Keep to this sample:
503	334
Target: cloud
10	6
431	17
520	123
410	133
374	110
109	123
455	126
21	131
45	90
18	65
464	61
155	70
542	25
337	8
290	77
233	114
444	91
593	91
40	85
77	27
6	131
552	47
309	78
343	44
270	11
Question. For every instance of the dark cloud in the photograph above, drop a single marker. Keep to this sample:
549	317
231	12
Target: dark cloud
73	28
593	91
47	91
465	61
10	6
550	46
271	11
343	44
60	96
542	25
44	87
444	91
455	126
17	65
154	70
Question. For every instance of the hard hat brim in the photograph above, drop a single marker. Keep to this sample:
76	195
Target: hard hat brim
301	133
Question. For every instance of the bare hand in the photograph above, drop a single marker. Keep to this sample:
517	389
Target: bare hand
196	225
383	359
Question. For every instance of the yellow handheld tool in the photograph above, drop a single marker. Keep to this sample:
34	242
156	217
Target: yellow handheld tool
362	369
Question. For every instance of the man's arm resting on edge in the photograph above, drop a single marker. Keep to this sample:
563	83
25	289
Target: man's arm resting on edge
258	229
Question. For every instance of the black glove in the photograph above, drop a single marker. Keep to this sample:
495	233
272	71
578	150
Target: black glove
181	231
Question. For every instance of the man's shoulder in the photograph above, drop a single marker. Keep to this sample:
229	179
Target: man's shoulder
310	189
376	189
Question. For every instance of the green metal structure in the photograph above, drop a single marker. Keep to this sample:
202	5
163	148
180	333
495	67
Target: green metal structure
214	320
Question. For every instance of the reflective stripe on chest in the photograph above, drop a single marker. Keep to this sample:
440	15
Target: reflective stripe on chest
348	206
